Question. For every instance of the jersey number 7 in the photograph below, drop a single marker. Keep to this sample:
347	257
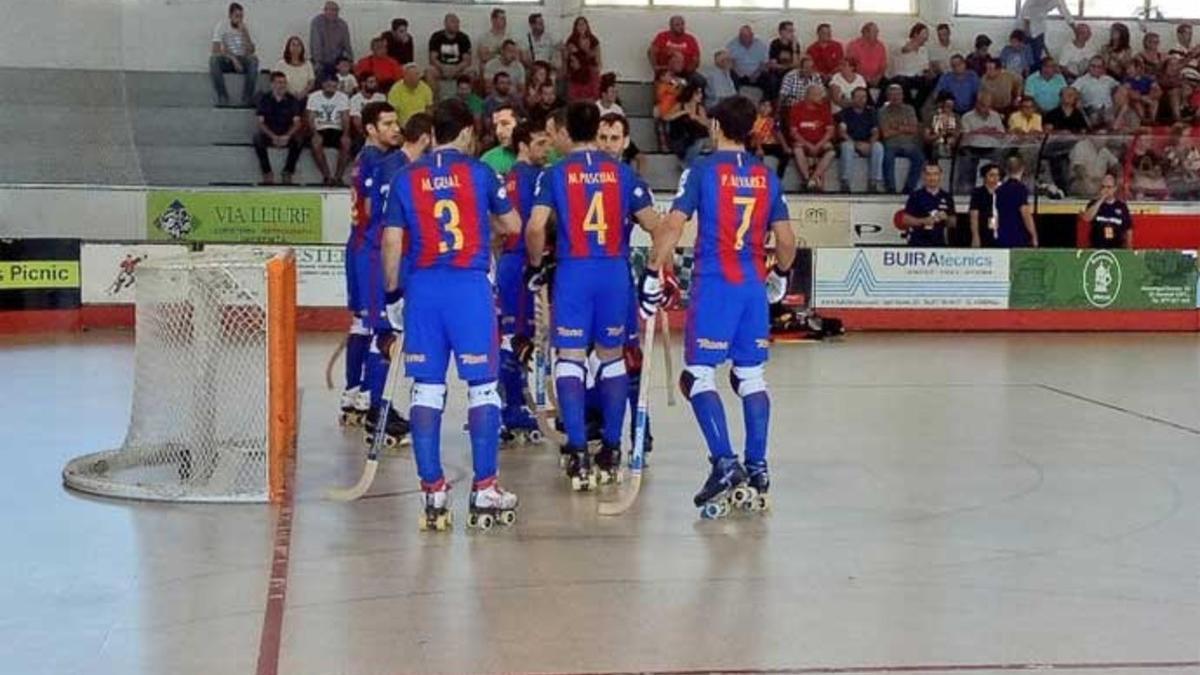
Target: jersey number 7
746	204
445	208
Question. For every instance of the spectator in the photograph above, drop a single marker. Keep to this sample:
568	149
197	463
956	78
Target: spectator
843	83
1066	124
400	45
583	62
858	127
782	56
812	130
546	103
1096	87
368	93
984	219
1151	54
1169	85
1045	86
941	49
767	138
387	71
910	68
466	93
501	121
668	86
983	133
675	39
1003	85
541	45
1090	161
509	63
329	118
449	56
870	54
1123	117
825	52
1033	15
501	96
1017	55
720	79
613	137
796	83
687	125
1076	54
1140	85
749	55
608	103
961	83
1184	48
944	129
1109	220
1014	216
330	39
489	44
539	74
899	130
977	60
347	83
279	126
233	52
297	69
411	95
1118	52
1026	121
929	211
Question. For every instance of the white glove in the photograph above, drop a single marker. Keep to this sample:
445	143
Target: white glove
650	293
394	309
777	283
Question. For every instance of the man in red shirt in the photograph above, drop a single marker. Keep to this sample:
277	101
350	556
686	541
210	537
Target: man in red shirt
675	39
378	63
826	53
870	53
811	125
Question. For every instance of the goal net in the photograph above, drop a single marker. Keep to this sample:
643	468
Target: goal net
214	394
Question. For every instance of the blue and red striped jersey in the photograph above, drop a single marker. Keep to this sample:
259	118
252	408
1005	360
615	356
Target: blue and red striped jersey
521	183
369	183
737	198
593	197
444	202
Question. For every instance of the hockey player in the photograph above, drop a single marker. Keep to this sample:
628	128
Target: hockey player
438	218
516	301
593	197
738	201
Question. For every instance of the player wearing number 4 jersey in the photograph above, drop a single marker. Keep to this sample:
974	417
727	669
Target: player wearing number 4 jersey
438	213
737	201
593	197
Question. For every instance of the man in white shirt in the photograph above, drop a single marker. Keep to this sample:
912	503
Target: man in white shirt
507	62
488	45
328	112
911	69
1033	15
540	45
368	92
1074	56
1096	87
233	52
941	49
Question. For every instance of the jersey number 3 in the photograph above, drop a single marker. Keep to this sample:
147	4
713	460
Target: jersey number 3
446	211
746	204
594	221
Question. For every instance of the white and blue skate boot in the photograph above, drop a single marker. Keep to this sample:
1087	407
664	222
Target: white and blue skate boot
608	464
490	504
725	487
758	480
435	511
349	415
579	469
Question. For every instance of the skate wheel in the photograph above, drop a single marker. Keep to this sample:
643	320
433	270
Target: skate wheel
484	521
576	483
472	520
762	503
508	517
369	438
390	442
443	522
742	496
712	511
562	461
423	523
592	481
535	436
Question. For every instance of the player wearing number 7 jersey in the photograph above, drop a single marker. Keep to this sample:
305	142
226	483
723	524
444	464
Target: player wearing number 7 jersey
593	197
438	213
737	201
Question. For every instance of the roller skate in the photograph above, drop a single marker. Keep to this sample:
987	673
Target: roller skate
724	488
395	432
351	415
579	469
490	504
436	514
520	427
758	481
608	464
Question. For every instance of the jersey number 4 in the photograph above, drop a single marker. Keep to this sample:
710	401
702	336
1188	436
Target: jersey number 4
446	211
594	220
746	204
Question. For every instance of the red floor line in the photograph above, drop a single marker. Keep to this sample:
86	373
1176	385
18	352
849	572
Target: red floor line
272	627
918	668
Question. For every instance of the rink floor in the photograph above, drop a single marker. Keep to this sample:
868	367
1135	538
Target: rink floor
943	503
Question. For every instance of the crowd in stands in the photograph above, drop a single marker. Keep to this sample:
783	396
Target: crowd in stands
1094	107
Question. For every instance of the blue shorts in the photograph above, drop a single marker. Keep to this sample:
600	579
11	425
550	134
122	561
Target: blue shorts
450	310
515	300
726	321
591	303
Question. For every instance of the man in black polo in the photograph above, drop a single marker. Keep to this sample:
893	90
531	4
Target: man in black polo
278	127
929	210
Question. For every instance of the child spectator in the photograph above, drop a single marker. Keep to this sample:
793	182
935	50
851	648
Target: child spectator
811	125
347	83
667	87
608	102
767	138
1017	56
687	125
944	129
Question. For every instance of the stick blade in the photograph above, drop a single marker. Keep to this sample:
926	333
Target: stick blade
625	498
358	489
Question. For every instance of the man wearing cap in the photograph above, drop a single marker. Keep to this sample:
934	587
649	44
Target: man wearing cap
410	95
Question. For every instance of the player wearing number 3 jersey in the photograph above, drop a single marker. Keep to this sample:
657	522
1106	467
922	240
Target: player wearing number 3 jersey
438	213
593	198
737	201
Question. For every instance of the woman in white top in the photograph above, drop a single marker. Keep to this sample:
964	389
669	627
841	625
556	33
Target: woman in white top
297	68
911	69
843	83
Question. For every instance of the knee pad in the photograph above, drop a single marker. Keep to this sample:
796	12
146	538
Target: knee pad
747	380
633	359
611	369
566	369
696	380
359	327
429	395
483	394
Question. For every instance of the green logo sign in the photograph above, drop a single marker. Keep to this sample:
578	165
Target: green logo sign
233	217
1116	280
1102	279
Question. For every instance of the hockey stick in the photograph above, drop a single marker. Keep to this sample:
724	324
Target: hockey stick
377	442
668	361
543	404
626	497
333	361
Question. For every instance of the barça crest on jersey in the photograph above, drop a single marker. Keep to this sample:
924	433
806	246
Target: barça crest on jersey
175	221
